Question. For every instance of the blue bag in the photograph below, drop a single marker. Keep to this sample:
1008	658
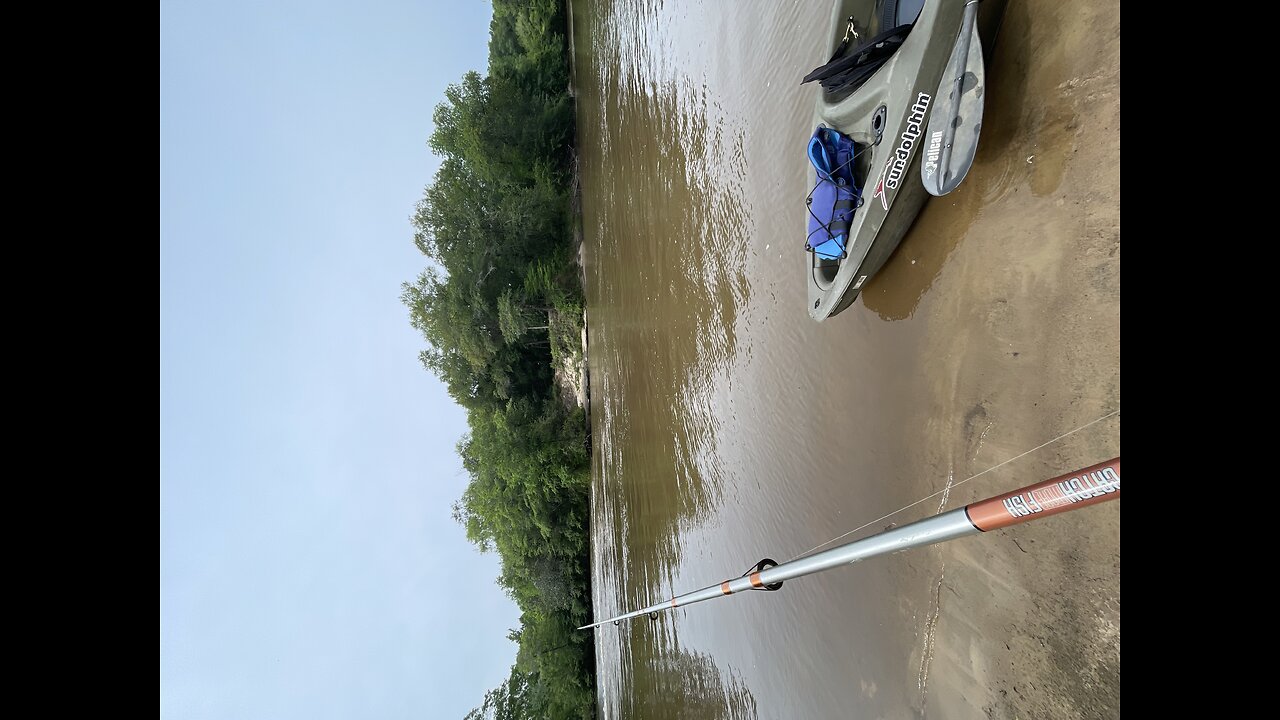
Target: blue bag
834	198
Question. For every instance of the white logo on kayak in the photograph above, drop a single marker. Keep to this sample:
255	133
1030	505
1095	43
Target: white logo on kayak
896	165
932	154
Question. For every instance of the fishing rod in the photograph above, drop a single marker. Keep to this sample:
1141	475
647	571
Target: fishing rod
1089	486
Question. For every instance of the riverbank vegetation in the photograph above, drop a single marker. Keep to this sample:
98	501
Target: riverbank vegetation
497	305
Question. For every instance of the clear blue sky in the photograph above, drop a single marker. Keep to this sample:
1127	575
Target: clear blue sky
309	567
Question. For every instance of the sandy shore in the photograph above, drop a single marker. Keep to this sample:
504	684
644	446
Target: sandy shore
1044	219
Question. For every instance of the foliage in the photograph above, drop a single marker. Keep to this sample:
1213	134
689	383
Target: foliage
501	295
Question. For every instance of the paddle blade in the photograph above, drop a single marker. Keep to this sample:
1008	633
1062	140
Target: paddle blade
956	122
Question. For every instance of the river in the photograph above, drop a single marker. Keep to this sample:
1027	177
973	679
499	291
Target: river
728	426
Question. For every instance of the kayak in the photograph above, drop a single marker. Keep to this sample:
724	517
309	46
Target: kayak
897	118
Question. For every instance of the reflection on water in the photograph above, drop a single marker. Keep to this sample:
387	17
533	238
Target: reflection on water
679	682
667	166
671	168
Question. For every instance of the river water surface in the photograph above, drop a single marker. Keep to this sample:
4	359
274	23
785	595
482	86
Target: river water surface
728	426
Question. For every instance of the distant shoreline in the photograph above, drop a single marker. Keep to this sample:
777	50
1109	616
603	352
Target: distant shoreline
501	308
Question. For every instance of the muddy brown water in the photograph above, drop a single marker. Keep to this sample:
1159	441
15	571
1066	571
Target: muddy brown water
728	426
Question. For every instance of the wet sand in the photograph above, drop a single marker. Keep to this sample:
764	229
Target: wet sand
1030	626
728	426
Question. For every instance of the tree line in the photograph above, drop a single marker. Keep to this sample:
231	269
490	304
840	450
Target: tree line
499	303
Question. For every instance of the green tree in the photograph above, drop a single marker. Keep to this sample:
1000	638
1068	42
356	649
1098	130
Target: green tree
508	701
516	317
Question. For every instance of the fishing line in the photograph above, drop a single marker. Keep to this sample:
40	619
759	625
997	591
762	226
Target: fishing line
1076	489
956	485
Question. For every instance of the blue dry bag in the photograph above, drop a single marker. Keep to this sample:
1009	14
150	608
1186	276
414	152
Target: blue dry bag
834	197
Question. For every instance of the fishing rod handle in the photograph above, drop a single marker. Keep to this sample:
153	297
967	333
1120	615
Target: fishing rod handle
1090	486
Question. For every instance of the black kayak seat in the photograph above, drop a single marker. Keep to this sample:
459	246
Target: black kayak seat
846	72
